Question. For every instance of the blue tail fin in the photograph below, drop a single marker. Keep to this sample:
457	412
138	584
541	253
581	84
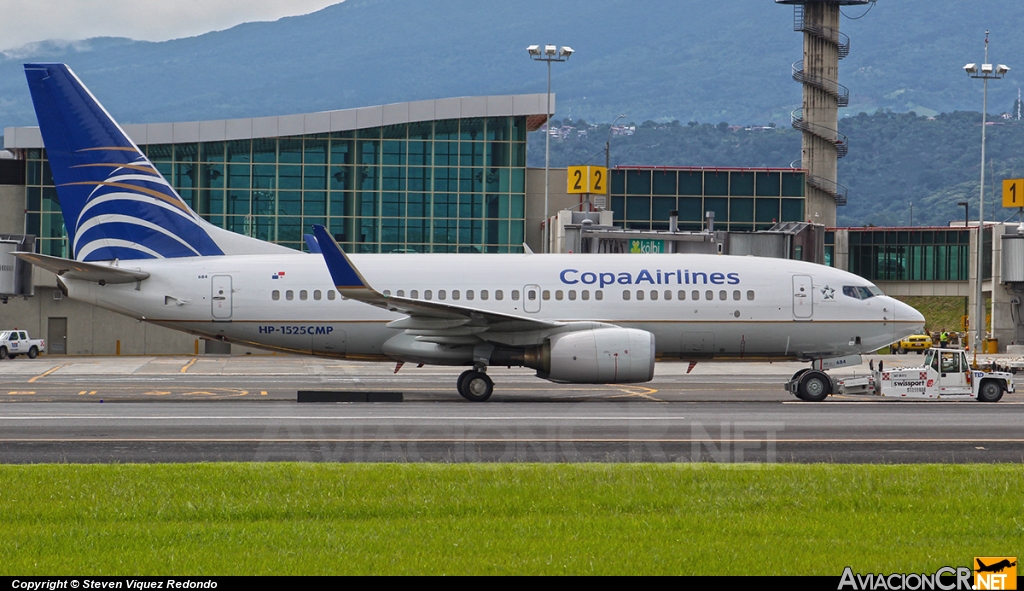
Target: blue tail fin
116	205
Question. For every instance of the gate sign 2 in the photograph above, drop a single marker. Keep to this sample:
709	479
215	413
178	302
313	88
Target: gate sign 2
1013	192
588	179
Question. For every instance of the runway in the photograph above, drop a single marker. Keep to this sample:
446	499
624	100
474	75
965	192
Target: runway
182	409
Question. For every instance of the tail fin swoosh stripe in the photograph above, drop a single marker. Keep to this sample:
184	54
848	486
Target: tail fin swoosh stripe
138	167
158	244
150	192
131	207
113	148
105	203
109	249
101	222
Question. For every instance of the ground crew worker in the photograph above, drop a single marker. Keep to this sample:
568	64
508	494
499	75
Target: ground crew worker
943	339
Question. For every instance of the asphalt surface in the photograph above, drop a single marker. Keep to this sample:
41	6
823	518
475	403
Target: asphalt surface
243	408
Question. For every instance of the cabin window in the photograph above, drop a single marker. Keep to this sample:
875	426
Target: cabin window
414	294
709	295
639	295
317	295
559	295
330	294
401	293
515	295
572	295
586	294
500	295
428	294
599	295
547	294
723	295
750	295
654	295
625	295
531	295
275	295
303	295
483	294
469	294
442	294
387	293
455	294
289	295
681	295
736	295
695	295
668	294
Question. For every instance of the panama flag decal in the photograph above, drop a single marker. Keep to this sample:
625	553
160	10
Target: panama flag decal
277	275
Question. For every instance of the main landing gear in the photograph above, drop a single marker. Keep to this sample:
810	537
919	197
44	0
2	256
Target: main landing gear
475	386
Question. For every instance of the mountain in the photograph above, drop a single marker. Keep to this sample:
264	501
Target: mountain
651	59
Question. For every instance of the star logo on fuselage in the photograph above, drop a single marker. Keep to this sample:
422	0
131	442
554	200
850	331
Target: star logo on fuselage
828	293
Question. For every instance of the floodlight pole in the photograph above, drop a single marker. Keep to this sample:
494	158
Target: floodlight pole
547	54
986	73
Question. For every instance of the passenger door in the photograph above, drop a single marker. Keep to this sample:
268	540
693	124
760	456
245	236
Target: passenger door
221	297
803	297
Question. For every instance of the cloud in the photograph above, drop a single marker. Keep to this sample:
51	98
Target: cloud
31	21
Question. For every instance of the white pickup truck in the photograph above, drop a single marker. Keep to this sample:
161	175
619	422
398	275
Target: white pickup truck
946	374
16	342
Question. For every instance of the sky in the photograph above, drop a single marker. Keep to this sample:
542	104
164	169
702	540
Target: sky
28	21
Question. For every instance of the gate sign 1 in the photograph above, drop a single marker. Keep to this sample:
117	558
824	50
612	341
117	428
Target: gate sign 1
1013	192
588	179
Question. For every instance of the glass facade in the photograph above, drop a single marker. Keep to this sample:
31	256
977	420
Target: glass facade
912	254
456	185
743	200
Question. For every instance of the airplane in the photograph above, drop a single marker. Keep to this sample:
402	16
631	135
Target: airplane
139	250
994	568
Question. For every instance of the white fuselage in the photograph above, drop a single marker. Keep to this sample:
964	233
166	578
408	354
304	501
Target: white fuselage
697	306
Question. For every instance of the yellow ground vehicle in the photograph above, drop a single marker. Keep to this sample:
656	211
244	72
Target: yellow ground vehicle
917	342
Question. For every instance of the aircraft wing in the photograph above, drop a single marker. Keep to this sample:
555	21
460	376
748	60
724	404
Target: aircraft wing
425	317
97	273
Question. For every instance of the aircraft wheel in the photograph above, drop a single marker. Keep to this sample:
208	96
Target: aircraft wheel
33	352
990	391
3	352
814	386
462	378
475	386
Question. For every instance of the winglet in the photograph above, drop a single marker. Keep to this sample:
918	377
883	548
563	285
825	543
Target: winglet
346	276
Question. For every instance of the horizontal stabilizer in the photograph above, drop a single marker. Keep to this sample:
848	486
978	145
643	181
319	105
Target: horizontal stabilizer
97	273
311	243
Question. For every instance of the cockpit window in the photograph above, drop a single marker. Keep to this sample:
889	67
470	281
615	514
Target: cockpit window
861	293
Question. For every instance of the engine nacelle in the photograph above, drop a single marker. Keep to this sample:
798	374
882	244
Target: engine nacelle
600	356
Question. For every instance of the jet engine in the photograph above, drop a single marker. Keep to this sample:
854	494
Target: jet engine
597	356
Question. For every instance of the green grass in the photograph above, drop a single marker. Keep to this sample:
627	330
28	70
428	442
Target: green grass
939	311
504	518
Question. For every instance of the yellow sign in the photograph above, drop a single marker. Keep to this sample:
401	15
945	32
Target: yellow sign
995	572
588	179
1013	192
